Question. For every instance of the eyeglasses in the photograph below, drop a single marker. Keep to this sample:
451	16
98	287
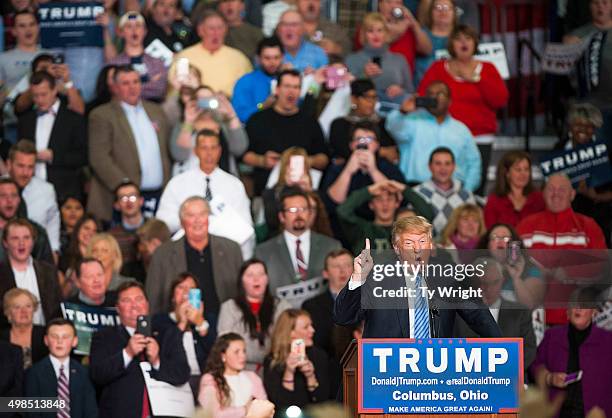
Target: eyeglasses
296	210
371	97
497	238
443	8
129	198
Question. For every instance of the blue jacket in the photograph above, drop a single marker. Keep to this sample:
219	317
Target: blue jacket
250	90
417	134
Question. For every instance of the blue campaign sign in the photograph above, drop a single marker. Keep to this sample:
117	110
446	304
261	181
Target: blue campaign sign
440	376
588	162
65	25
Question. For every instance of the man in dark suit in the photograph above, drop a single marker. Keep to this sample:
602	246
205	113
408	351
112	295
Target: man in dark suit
116	353
513	319
59	135
19	269
414	313
128	139
214	261
298	253
57	375
338	269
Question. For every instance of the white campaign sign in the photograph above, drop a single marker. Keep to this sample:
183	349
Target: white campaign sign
166	399
493	52
560	58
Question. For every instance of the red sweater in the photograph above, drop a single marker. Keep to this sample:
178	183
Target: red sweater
474	104
565	230
404	45
501	210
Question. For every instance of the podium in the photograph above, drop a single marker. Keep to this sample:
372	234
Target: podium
350	383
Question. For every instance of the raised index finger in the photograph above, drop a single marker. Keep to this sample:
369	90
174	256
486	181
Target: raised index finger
367	244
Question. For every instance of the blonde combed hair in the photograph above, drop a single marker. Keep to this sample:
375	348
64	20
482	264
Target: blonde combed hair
414	224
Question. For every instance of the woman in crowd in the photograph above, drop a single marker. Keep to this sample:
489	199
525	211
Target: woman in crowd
292	378
104	247
197	335
464	230
363	108
252	313
104	88
594	70
388	70
19	307
227	389
477	89
441	19
319	218
82	232
71	210
205	109
514	197
523	279
578	346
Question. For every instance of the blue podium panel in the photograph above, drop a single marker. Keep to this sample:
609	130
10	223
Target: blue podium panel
440	376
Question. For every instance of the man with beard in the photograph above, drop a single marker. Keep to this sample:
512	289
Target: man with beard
282	126
298	253
253	91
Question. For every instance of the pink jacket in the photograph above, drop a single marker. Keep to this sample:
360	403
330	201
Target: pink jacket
208	387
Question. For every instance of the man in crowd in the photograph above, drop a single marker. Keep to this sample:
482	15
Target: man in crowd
215	185
219	65
320	31
59	136
215	262
558	227
384	199
419	131
128	202
93	289
253	91
300	53
153	73
10	201
442	192
513	319
20	270
116	354
240	34
337	271
282	126
128	139
151	235
161	27
38	195
298	253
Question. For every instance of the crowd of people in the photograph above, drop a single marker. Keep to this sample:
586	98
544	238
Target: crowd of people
222	188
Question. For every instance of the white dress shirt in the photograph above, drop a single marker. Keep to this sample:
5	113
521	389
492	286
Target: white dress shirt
44	126
27	280
410	284
494	309
149	155
40	200
56	363
193	183
291	239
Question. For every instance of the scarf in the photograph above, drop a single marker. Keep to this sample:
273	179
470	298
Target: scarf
589	66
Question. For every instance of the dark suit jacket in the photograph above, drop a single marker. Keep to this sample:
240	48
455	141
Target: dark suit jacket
113	154
514	321
392	321
121	388
42	381
275	254
68	141
48	288
39	349
169	260
11	364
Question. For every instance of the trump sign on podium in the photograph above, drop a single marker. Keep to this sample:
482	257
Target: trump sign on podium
440	376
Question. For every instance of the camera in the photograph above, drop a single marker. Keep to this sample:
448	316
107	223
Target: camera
397	13
58	59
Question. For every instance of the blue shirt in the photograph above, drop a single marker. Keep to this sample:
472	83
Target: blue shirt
419	133
309	55
250	90
147	144
423	62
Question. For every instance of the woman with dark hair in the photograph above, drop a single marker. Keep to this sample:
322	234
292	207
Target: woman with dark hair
189	319
514	197
104	89
82	233
227	389
252	313
71	211
363	104
523	280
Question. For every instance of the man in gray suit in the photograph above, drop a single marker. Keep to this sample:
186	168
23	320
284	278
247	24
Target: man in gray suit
214	261
297	253
128	140
513	319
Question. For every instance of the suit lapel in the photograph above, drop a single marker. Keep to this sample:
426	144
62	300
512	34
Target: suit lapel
50	379
314	252
57	126
216	255
42	288
284	257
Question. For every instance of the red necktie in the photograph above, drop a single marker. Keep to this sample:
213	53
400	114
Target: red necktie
146	409
302	267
